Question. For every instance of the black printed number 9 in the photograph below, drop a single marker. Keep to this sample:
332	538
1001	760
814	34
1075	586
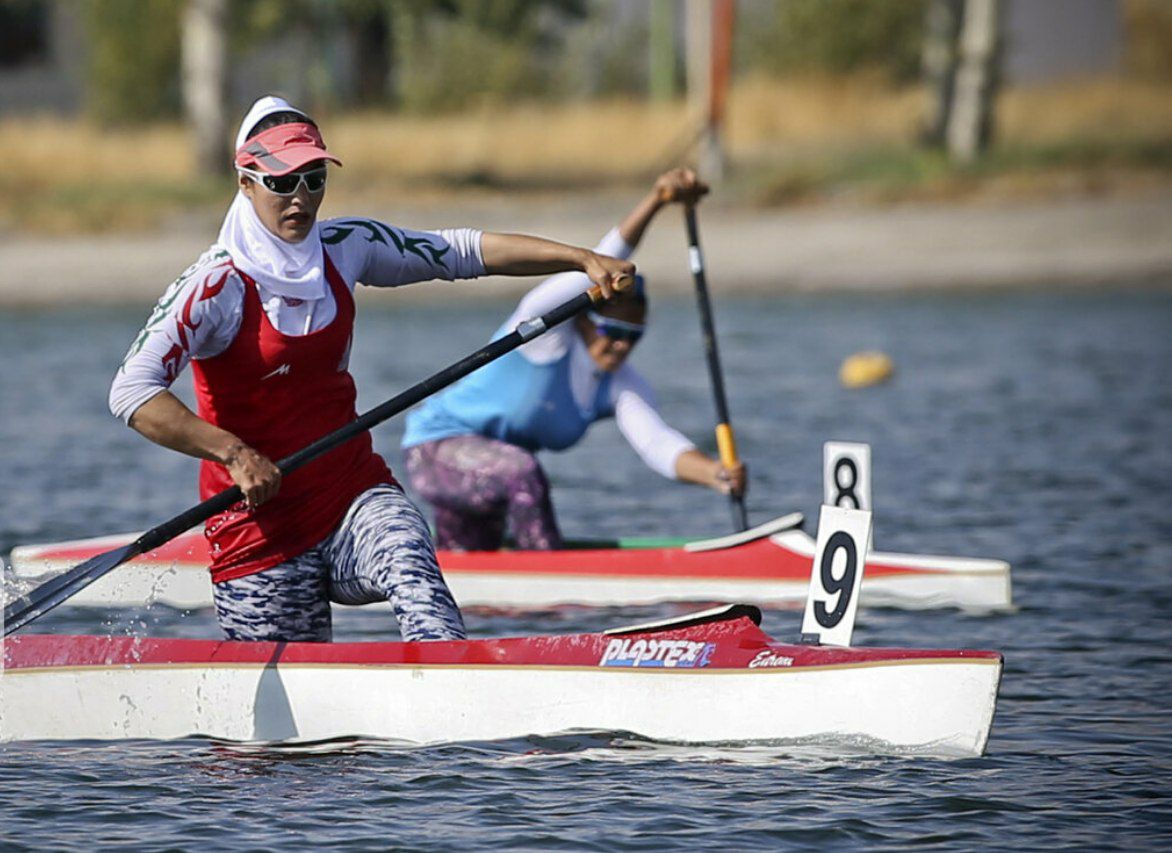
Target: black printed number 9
846	491
843	586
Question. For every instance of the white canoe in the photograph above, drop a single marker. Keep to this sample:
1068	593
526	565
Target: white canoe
769	565
710	678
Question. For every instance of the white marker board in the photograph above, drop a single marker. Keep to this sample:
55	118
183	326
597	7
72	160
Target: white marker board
837	574
846	477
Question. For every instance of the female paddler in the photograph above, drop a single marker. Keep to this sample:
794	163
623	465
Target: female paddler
265	318
470	450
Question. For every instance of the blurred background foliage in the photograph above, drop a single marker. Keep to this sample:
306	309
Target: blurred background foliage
834	37
1148	24
133	60
420	55
442	55
447	53
827	102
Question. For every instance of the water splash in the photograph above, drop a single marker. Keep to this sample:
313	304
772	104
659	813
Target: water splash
13	586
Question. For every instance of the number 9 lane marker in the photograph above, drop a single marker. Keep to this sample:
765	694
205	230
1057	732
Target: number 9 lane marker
839	558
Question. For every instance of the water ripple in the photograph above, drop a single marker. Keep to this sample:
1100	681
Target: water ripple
1028	427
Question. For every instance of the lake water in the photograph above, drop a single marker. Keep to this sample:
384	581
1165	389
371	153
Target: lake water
1035	427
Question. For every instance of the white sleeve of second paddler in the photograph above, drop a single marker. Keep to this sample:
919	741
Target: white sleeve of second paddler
657	444
553	292
198	317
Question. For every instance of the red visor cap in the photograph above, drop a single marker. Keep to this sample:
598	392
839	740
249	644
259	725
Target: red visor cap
284	149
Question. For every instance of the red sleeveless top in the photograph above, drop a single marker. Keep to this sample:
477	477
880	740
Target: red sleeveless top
278	393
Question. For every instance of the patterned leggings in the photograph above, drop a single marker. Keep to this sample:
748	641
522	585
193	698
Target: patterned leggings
381	551
477	485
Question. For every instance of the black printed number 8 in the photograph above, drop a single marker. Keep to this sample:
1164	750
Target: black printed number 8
843	586
846	491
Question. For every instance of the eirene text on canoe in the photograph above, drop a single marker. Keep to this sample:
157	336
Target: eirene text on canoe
470	450
265	318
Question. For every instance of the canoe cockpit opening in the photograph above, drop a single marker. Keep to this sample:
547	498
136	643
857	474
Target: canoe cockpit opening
725	613
793	521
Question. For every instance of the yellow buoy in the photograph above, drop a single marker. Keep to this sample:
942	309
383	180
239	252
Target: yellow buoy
866	368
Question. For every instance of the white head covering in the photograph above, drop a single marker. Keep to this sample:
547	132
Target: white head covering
296	270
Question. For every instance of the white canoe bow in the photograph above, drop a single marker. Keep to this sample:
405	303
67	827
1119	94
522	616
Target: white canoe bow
713	677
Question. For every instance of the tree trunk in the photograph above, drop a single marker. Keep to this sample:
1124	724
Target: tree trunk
205	71
970	122
370	43
698	52
662	53
939	66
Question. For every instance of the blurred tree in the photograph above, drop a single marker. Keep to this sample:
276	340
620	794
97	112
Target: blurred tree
662	51
939	62
133	61
342	47
205	82
417	53
513	17
970	118
835	37
448	51
420	54
1149	38
621	67
368	23
23	24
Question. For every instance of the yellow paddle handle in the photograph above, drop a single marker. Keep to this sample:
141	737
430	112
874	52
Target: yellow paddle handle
595	293
727	446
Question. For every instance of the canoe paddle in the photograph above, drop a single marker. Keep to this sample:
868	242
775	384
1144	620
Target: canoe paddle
725	443
48	595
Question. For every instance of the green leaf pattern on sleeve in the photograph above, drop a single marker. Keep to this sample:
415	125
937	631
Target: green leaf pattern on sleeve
377	232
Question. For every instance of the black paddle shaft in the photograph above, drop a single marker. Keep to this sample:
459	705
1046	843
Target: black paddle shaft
724	435
48	595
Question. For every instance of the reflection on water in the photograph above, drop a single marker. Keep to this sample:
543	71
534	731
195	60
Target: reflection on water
1028	427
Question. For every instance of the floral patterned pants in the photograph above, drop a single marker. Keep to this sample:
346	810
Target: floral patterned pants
479	486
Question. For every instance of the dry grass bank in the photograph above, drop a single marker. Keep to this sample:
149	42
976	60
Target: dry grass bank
857	140
787	140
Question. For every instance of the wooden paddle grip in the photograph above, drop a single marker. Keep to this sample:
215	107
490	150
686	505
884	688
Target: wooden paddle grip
727	446
595	293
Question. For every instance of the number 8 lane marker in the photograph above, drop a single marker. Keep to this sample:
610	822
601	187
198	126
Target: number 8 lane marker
846	477
846	474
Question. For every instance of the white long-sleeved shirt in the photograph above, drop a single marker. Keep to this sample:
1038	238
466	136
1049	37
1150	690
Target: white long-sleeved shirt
200	313
636	413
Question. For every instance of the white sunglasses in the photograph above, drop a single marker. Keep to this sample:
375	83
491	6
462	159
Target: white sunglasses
287	185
